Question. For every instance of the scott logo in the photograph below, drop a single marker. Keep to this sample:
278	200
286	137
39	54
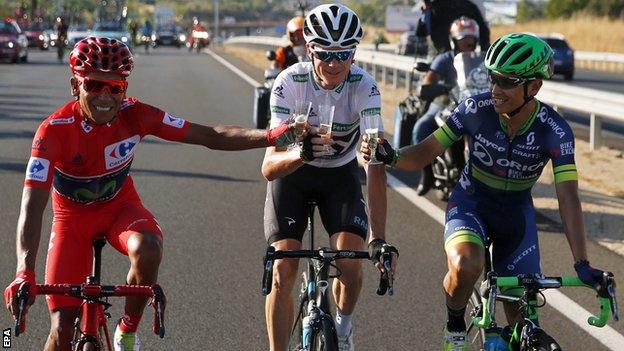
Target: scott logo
118	153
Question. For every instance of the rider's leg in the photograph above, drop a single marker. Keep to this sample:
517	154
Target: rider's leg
61	329
279	303
348	285
136	233
465	260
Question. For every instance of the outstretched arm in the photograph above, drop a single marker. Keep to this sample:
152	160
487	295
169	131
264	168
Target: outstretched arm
230	137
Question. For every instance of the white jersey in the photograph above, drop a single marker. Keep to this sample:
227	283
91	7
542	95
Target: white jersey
357	96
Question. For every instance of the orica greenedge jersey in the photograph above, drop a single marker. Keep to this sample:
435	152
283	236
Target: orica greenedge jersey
504	170
357	96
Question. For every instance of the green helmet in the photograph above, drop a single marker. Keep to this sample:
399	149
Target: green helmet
520	55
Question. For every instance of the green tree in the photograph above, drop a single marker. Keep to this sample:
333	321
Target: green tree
611	8
530	10
564	8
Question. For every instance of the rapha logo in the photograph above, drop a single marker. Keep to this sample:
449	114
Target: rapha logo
118	153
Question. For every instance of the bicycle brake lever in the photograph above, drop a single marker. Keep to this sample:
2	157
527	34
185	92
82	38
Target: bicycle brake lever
22	298
389	276
267	274
610	282
159	304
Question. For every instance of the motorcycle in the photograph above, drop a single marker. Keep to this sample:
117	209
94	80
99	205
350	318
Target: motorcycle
472	78
262	95
148	41
198	40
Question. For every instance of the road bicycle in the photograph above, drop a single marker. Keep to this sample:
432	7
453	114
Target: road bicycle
314	328
90	327
526	335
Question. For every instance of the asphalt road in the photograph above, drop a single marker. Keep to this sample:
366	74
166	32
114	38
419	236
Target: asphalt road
210	205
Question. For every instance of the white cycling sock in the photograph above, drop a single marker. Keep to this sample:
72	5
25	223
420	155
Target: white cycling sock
343	323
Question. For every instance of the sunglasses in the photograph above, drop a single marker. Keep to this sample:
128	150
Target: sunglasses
506	82
96	86
328	56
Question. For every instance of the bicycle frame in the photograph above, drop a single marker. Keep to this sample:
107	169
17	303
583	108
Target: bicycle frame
93	315
315	282
532	284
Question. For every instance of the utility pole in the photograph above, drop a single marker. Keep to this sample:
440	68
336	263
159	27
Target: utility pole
216	19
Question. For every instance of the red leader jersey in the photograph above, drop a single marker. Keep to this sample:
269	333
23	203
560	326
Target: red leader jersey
88	163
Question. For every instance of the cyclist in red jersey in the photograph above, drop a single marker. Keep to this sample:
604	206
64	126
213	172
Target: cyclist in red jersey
84	152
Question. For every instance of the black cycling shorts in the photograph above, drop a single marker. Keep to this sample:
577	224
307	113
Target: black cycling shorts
337	191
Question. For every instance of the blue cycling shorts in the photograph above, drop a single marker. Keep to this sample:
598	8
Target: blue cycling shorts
512	231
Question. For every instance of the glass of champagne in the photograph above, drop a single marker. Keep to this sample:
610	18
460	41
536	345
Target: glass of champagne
326	120
301	112
371	128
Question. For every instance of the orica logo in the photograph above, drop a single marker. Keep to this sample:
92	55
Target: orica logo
471	106
481	153
118	153
37	169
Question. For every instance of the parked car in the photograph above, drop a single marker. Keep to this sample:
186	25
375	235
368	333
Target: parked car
564	54
13	42
75	33
169	35
36	37
113	30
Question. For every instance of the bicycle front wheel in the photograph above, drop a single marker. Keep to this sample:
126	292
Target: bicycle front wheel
325	339
475	335
89	346
540	341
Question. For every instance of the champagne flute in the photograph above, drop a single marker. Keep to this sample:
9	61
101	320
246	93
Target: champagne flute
326	120
371	128
301	113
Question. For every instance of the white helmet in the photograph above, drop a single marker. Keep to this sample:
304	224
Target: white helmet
332	26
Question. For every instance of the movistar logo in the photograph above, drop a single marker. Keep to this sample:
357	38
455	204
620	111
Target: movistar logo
88	195
371	111
280	109
300	78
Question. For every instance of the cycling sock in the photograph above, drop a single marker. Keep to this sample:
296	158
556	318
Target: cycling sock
129	323
343	323
455	322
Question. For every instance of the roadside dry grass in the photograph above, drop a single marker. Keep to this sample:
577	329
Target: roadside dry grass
582	33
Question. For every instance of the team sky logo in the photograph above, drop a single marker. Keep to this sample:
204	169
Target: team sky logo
173	121
279	91
37	169
118	153
374	91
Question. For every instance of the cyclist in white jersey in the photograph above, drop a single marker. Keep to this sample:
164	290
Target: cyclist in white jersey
324	170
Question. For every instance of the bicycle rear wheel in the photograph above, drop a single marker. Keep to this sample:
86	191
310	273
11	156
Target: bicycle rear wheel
475	335
325	339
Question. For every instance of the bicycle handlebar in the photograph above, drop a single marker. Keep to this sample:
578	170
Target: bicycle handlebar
606	293
93	292
321	254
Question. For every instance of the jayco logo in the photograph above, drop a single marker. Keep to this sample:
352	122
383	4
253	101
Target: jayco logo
118	153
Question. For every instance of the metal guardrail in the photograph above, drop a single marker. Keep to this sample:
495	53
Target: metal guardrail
597	103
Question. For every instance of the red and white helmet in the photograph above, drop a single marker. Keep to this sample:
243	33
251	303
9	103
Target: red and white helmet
464	27
99	54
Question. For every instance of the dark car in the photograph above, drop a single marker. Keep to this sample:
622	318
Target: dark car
36	36
564	54
13	42
168	35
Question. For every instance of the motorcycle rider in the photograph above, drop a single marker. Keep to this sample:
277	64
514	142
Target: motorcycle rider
464	35
294	52
438	15
61	34
197	27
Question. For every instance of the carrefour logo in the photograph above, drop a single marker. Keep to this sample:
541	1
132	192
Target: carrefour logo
118	153
173	121
37	169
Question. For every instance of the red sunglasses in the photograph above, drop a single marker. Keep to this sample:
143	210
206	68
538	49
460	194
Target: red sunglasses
96	86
